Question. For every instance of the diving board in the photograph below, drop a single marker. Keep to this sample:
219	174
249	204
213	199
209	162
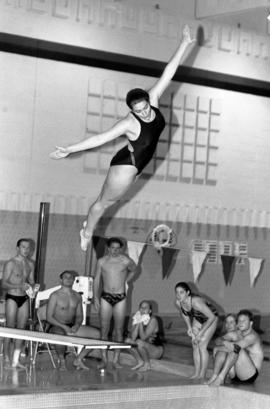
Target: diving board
67	340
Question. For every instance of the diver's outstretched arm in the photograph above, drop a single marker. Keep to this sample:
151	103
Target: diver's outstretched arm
120	128
162	83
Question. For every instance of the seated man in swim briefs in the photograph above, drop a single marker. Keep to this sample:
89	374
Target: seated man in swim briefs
230	333
114	270
65	314
244	357
18	276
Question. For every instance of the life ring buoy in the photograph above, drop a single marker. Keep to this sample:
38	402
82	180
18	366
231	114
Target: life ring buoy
162	236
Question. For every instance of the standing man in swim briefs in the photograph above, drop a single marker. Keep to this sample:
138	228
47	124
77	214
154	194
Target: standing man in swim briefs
18	276
65	314
245	357
115	270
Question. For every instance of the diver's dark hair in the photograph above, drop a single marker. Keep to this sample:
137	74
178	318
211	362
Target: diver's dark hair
247	313
147	302
136	95
185	286
72	272
19	242
115	240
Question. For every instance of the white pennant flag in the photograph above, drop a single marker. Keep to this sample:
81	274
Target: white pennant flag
135	250
197	258
254	269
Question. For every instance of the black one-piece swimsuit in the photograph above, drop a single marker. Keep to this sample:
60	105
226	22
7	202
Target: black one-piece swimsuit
144	146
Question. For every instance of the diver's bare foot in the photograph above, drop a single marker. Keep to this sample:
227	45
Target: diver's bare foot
194	376
85	237
210	380
139	365
145	368
217	382
80	365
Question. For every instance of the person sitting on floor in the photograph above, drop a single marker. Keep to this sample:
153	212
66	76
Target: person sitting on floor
245	357
220	352
65	314
145	335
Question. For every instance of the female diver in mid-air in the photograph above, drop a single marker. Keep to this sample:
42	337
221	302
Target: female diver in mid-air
142	126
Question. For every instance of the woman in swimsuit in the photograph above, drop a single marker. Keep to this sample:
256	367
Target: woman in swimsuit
201	319
142	128
146	336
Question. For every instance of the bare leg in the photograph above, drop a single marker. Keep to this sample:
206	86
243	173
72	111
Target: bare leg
11	314
78	363
119	179
142	348
203	344
119	314
60	349
19	317
220	358
106	311
86	332
196	360
135	353
244	366
231	358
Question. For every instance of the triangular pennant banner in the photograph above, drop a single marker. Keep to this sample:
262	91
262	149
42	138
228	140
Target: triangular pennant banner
197	259
255	265
169	256
135	250
228	268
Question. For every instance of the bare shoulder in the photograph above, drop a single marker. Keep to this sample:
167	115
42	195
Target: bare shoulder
128	121
154	319
252	337
9	264
55	295
102	260
77	295
197	300
126	259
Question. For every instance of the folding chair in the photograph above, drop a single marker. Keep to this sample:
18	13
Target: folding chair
41	317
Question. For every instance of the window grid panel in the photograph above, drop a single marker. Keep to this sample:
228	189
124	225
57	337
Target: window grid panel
198	245
212	249
241	249
225	248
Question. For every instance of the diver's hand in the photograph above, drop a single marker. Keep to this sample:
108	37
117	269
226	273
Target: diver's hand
59	153
187	35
